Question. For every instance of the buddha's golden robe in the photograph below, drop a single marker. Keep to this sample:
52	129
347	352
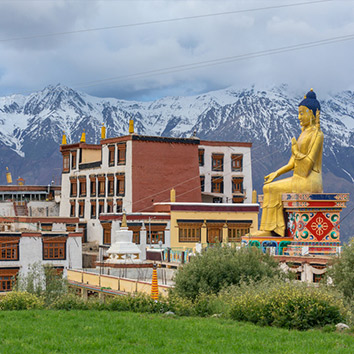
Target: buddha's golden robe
307	178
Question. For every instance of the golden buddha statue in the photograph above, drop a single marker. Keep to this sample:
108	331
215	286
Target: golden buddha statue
305	161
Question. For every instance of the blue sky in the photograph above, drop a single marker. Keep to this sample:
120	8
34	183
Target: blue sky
105	62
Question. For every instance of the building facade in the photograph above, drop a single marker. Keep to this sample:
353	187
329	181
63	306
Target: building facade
25	241
133	172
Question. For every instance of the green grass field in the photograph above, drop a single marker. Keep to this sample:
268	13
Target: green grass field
41	331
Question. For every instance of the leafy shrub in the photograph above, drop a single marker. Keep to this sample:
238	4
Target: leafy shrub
281	304
69	302
44	281
218	267
342	271
21	301
137	303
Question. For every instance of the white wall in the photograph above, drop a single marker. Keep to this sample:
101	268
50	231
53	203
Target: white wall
31	251
227	173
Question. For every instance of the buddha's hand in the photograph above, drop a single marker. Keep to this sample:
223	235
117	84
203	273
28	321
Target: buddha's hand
294	148
269	178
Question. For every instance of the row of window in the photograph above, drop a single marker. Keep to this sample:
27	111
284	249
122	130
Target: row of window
217	184
53	248
154	233
191	232
187	232
98	185
96	207
217	161
115	153
121	154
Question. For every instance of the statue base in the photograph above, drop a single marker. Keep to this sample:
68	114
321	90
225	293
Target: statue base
313	221
313	226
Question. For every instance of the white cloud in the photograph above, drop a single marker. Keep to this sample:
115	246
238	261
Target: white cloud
28	65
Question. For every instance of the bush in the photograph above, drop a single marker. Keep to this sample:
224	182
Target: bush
289	305
218	267
16	300
342	272
43	281
137	303
69	302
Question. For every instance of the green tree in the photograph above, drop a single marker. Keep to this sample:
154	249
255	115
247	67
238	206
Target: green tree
342	271
218	267
43	281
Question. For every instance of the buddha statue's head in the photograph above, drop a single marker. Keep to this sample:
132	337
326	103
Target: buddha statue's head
309	110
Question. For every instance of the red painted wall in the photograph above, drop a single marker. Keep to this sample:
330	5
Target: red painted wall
157	167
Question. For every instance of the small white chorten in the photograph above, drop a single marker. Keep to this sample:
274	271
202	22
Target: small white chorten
123	249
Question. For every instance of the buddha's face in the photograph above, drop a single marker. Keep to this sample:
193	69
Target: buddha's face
306	117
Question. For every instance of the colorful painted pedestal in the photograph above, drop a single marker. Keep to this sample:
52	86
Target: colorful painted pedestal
313	222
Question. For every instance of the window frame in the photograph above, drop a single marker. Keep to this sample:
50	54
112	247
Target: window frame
201	157
111	155
235	158
66	162
217	184
121	153
217	162
9	249
54	248
189	232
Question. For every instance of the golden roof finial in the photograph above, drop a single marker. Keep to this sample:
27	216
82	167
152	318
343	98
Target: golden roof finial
8	176
103	131
124	220
173	195
131	126
83	137
63	140
311	89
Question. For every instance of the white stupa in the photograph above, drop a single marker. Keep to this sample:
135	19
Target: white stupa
123	249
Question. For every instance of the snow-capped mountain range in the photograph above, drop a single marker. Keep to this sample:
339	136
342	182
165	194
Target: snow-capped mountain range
31	127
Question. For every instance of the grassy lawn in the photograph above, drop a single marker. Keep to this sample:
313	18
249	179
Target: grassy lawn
40	331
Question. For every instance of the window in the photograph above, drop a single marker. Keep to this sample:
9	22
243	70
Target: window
217	184
237	199
82	186
107	228
46	227
7	278
120	184
121	154
101	186
100	206
111	153
93	186
66	166
9	248
73	160
93	209
136	233
189	232
81	208
236	231
157	234
73	187
119	205
236	162
237	185
54	248
72	208
201	157
110	206
217	162
70	227
110	185
202	183
317	278
214	232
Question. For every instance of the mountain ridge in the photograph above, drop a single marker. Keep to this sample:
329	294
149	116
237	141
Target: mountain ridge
265	117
